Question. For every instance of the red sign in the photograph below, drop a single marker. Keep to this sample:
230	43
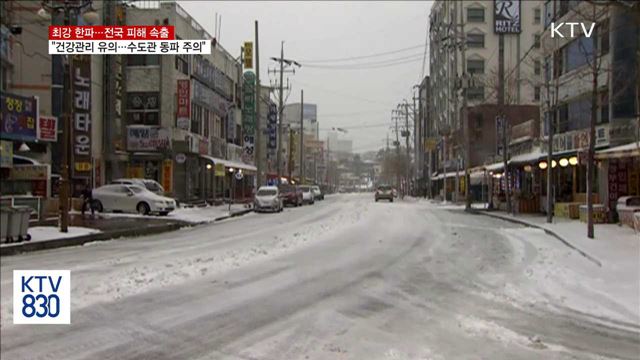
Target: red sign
48	128
111	32
184	104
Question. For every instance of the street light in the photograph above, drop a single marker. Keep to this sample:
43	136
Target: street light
90	16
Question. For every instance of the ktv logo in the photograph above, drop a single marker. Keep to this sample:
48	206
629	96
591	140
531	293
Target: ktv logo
557	32
41	297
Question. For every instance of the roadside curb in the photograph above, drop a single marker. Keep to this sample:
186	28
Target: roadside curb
543	228
234	214
25	247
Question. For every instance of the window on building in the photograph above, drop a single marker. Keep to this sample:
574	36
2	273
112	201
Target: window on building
547	68
536	41
536	67
475	40
207	123
475	93
548	13
536	93
182	63
536	16
475	66
603	105
475	15
143	108
196	119
562	123
143	60
577	53
562	8
558	63
579	113
602	32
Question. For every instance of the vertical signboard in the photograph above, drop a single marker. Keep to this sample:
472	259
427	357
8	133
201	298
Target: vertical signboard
47	128
248	55
506	17
499	134
183	112
248	115
167	175
272	129
81	121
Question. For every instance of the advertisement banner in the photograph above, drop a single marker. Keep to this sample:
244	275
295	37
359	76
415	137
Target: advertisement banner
219	169
272	129
6	154
248	55
47	128
147	138
18	117
29	172
248	115
183	113
507	16
167	175
81	124
209	99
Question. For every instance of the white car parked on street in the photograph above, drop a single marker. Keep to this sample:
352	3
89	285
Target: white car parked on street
268	198
307	195
131	198
149	184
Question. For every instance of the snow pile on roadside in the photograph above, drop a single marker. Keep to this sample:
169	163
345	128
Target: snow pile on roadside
562	279
44	233
192	215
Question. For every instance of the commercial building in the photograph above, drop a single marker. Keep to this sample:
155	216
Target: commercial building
465	30
569	75
313	148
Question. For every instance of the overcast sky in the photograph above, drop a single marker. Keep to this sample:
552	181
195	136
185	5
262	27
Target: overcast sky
316	31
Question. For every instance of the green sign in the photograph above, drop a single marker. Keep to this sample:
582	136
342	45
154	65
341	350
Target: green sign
248	115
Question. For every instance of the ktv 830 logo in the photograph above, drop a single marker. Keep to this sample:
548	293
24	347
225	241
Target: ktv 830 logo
41	297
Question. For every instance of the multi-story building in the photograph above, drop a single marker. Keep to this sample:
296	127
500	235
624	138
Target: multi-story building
291	139
465	30
182	112
568	63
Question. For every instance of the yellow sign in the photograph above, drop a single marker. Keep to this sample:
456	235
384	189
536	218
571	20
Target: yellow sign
248	55
82	166
430	144
219	169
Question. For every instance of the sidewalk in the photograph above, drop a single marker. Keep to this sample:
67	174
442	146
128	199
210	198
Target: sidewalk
613	245
569	273
107	226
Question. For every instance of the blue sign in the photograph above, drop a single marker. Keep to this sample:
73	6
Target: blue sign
19	117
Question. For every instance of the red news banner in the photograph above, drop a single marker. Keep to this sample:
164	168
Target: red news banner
125	40
138	32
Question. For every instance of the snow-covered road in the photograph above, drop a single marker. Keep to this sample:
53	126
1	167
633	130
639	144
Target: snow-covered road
347	278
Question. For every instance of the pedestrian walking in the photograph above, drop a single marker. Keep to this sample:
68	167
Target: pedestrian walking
87	197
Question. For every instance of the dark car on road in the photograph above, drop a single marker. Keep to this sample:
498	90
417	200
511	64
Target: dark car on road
291	195
384	192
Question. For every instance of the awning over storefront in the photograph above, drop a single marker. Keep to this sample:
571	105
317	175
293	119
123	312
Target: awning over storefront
230	164
495	166
627	150
528	158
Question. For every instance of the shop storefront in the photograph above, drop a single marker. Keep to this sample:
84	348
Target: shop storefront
622	168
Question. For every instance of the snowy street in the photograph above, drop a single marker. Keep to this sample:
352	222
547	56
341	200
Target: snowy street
346	278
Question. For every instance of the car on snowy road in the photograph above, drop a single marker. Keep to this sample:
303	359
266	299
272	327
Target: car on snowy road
307	194
268	198
291	195
149	184
131	198
384	192
317	193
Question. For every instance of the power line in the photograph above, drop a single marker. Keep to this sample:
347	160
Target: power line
363	56
375	65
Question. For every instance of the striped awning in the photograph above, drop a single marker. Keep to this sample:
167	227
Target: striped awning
622	151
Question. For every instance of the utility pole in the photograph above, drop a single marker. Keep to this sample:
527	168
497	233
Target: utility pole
258	152
290	161
408	162
280	112
302	164
503	117
282	62
397	155
466	128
